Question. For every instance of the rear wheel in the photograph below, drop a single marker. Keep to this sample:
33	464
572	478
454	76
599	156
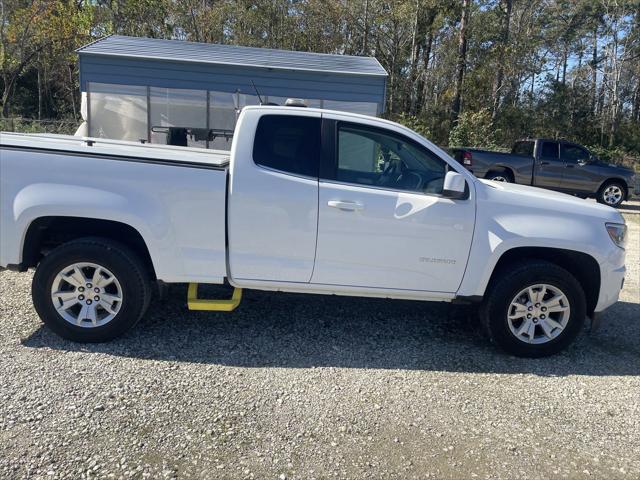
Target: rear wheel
612	194
91	290
534	309
500	177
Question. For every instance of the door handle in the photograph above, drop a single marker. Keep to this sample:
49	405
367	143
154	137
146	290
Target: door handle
346	206
544	163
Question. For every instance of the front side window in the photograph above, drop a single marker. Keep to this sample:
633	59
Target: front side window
573	153
549	150
288	143
373	157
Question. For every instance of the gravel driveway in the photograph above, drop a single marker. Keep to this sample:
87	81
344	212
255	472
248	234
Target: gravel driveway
297	386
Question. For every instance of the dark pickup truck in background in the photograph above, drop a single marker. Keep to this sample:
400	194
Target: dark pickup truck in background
553	164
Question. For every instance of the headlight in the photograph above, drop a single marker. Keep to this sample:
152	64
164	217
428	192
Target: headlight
618	233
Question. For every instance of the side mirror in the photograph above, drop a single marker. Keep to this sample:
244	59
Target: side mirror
455	186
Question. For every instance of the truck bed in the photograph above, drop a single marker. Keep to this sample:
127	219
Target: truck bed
173	197
116	148
485	161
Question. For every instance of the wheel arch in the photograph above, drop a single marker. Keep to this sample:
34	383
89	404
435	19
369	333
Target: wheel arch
499	168
619	180
581	265
46	233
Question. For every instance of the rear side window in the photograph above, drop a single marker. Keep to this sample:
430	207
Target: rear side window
549	150
288	143
524	149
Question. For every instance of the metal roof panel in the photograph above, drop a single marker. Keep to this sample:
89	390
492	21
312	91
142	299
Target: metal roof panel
209	53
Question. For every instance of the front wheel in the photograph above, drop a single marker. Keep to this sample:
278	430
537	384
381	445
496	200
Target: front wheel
500	177
611	193
91	290
534	309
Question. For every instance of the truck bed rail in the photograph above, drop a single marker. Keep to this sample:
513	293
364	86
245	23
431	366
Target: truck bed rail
70	144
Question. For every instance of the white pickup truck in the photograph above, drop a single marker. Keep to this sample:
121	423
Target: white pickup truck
307	200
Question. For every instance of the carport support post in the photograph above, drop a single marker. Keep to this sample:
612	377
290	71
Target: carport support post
88	109
207	124
148	114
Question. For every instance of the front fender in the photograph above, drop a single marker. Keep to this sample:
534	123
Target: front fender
502	233
628	188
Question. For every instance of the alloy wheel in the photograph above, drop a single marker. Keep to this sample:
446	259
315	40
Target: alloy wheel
612	195
538	314
86	294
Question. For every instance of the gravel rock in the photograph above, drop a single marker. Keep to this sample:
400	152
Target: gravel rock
297	386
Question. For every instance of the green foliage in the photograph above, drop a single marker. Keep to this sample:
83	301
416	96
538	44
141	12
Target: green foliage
67	127
38	39
474	129
417	124
528	69
617	155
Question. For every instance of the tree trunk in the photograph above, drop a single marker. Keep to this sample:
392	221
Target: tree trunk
39	93
6	95
594	71
572	103
600	95
580	56
636	93
565	58
421	50
415	47
5	104
506	6
423	89
365	40
533	84
635	113
616	71
72	91
462	63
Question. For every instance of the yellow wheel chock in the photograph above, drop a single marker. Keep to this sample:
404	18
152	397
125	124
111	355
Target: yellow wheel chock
195	303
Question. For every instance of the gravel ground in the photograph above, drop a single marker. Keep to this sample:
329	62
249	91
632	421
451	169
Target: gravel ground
297	386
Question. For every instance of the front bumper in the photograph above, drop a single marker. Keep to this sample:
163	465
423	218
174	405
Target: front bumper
596	317
611	283
612	273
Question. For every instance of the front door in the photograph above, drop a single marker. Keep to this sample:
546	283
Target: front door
382	221
550	167
578	175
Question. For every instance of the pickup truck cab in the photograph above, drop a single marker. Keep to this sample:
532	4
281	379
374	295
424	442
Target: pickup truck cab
553	164
307	200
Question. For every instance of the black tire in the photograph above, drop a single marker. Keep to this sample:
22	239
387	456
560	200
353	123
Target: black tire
125	265
508	283
500	176
602	196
